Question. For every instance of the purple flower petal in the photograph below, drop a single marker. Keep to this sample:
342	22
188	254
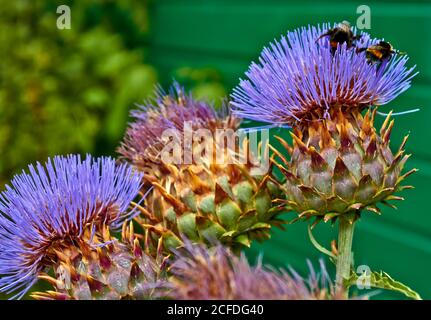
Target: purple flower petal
169	111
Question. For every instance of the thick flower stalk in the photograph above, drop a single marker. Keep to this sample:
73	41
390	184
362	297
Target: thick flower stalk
204	198
339	164
57	217
218	274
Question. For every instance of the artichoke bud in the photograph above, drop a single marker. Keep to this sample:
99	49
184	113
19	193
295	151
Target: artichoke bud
341	166
209	198
231	209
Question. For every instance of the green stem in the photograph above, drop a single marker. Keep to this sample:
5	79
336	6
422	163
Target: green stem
345	256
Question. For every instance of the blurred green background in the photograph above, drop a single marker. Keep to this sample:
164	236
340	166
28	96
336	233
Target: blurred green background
71	90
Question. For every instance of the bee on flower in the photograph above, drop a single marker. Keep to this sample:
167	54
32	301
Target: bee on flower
339	163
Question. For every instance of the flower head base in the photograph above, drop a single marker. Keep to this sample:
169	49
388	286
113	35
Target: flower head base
218	274
299	79
117	270
342	166
64	203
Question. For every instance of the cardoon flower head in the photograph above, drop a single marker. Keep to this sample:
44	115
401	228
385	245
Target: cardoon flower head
218	274
339	164
52	208
299	79
169	111
200	197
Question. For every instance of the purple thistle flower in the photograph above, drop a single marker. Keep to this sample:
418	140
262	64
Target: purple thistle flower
55	204
143	140
298	79
216	273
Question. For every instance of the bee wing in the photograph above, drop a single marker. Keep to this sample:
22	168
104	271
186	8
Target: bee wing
327	33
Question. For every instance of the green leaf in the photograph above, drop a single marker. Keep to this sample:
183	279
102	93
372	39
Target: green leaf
382	280
318	246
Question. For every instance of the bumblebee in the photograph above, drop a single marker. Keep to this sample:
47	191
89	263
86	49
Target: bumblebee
379	52
342	33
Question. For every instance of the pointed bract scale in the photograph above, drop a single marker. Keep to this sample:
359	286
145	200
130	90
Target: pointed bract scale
279	156
286	146
317	161
326	141
385	123
371	150
343	183
367	126
387	134
373	209
298	143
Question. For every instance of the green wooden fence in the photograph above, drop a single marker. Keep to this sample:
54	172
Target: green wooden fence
227	35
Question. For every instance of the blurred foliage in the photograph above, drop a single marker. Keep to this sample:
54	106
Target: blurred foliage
205	83
65	91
